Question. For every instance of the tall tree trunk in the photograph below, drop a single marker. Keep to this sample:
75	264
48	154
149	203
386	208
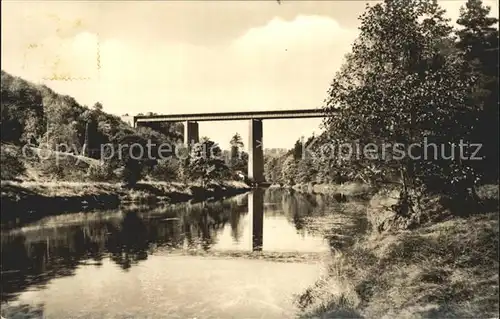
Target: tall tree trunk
86	141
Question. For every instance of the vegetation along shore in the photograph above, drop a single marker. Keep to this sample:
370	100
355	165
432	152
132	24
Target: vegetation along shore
420	237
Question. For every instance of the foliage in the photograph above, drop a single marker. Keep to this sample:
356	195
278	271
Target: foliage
272	168
100	173
306	172
478	41
167	170
238	160
37	115
27	107
289	170
205	162
402	83
133	158
22	111
408	77
11	167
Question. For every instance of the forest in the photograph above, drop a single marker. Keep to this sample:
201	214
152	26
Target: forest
411	75
35	116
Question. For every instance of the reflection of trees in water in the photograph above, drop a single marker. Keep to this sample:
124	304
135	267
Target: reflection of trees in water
24	311
236	227
206	220
202	222
273	195
352	223
26	263
296	207
237	209
346	220
35	257
129	244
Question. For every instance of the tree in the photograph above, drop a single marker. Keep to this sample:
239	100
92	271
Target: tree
238	158
133	158
98	107
63	136
12	167
305	165
167	170
89	118
32	113
205	162
236	143
22	112
401	83
271	169
297	149
478	41
305	171
289	170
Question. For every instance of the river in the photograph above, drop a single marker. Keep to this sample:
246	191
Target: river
175	261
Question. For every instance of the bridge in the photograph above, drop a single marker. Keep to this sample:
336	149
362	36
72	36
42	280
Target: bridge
255	146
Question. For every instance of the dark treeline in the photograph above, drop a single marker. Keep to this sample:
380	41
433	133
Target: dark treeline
411	76
37	115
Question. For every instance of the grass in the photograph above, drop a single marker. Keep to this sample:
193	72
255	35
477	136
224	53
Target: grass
446	269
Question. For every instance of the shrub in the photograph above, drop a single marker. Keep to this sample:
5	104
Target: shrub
11	167
166	170
100	173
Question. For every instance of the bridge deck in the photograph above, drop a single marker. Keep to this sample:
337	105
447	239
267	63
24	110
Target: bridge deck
231	116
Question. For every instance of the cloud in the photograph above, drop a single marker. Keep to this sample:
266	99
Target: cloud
301	32
284	64
281	65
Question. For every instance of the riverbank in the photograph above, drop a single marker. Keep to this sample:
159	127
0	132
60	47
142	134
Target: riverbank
32	200
446	268
349	189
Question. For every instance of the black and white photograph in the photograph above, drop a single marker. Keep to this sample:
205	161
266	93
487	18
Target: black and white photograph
217	159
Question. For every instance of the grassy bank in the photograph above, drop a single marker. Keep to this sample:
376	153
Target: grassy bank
32	200
440	269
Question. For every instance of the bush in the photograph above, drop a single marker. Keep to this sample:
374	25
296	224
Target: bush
11	167
132	172
100	173
51	168
166	170
60	167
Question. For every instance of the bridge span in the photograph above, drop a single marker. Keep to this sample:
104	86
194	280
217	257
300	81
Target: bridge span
255	146
231	116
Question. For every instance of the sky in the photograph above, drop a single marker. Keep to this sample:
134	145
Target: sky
172	57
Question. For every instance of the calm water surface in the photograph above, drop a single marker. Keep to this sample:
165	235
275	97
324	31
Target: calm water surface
132	262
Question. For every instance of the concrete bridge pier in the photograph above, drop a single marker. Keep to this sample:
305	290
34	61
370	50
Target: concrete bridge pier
256	209
191	133
255	152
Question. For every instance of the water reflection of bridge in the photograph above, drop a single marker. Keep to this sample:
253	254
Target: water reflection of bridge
256	209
